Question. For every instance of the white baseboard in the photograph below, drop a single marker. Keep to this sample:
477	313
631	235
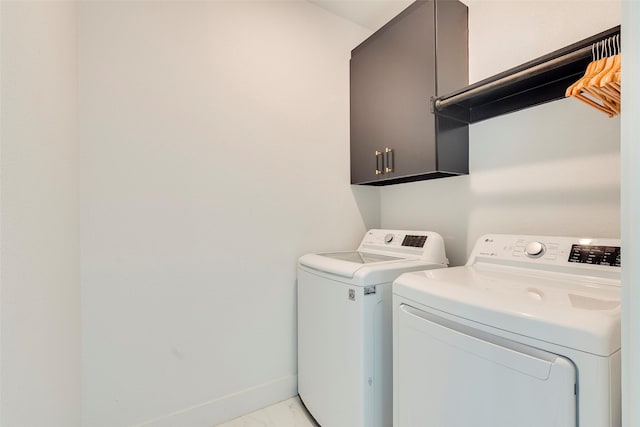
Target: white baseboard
217	411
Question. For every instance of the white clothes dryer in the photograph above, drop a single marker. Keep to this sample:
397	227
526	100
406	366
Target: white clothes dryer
526	334
344	325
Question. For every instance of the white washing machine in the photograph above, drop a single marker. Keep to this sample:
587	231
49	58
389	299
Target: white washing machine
527	333
344	325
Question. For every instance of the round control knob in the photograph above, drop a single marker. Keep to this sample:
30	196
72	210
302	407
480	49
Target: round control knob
534	250
388	238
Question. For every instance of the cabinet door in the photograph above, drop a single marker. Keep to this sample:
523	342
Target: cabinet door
392	80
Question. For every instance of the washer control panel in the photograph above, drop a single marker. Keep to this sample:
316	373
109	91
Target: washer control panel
414	241
394	238
425	245
549	250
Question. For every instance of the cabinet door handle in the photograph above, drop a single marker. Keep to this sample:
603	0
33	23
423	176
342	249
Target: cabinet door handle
379	163
389	157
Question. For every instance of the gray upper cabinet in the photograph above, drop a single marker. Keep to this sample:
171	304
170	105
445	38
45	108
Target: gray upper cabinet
395	73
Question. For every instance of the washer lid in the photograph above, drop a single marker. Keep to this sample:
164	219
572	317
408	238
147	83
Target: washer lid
575	311
344	264
360	257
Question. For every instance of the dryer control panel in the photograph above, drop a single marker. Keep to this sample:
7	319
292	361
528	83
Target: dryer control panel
548	251
595	254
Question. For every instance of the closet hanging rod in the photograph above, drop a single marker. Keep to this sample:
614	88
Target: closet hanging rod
491	86
540	80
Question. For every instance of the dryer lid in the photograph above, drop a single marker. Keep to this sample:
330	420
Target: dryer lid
575	311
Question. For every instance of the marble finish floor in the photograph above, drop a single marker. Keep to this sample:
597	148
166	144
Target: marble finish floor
288	413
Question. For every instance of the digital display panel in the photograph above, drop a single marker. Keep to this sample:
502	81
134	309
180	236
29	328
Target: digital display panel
414	241
593	254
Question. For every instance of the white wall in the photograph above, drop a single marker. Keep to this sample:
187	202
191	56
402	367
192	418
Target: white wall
630	207
40	345
552	169
214	152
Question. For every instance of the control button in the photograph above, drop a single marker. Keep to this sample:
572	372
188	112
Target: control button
388	238
534	250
